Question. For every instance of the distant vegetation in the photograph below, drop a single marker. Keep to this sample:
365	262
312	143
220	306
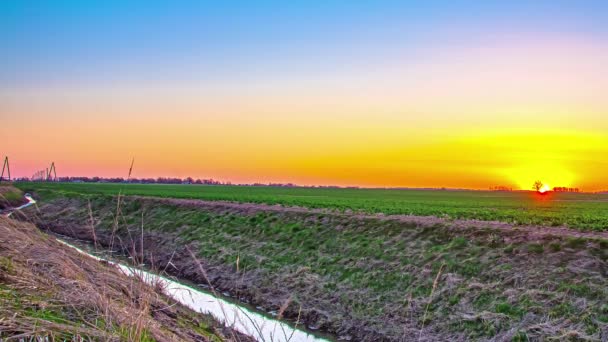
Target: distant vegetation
565	189
581	211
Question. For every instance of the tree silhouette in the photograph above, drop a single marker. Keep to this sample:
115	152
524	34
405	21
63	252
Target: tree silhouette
537	185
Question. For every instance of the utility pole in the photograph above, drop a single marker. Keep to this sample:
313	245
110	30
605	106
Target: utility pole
51	169
8	168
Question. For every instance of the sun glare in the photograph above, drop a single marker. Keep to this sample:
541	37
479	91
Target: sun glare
544	188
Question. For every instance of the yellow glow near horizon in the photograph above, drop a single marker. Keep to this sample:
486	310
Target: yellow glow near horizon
562	158
462	117
544	171
270	151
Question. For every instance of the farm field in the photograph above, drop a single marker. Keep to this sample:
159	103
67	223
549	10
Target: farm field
362	278
580	211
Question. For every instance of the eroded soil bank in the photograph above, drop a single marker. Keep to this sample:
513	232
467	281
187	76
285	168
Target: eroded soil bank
363	278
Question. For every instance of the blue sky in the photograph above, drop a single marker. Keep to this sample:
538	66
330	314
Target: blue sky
74	42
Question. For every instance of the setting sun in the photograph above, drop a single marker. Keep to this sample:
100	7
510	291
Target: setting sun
549	171
545	188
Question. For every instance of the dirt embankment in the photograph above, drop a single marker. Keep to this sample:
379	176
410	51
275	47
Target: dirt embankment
367	278
49	291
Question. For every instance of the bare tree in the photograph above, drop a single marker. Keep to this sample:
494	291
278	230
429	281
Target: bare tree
537	185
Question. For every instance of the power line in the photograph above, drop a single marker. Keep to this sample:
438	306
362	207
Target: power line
7	167
48	174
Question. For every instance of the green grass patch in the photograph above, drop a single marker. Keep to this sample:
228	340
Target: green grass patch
582	211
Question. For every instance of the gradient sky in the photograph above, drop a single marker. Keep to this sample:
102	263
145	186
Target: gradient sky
371	93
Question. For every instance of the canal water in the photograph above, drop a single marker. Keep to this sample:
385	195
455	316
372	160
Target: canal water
245	319
261	326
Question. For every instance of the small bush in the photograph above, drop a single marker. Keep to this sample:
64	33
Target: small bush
508	309
555	247
536	248
575	243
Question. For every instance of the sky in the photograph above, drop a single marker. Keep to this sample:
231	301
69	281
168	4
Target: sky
462	94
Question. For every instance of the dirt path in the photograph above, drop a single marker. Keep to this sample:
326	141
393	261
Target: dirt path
533	232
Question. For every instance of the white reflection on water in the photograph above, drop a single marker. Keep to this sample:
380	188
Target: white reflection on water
251	323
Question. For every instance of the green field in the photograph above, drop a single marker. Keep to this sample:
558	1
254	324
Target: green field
580	211
363	277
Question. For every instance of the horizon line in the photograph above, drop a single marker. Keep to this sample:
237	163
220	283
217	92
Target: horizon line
214	182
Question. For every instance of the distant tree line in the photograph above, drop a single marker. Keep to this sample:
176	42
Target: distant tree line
501	188
565	189
159	180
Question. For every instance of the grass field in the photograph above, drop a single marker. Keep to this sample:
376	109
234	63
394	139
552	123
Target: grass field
580	211
367	278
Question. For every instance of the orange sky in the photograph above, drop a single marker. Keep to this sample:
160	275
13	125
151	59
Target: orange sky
466	113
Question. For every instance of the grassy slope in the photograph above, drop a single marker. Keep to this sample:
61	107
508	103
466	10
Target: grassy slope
49	291
10	196
351	274
581	211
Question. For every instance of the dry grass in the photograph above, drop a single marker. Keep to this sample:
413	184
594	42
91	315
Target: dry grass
48	291
426	309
